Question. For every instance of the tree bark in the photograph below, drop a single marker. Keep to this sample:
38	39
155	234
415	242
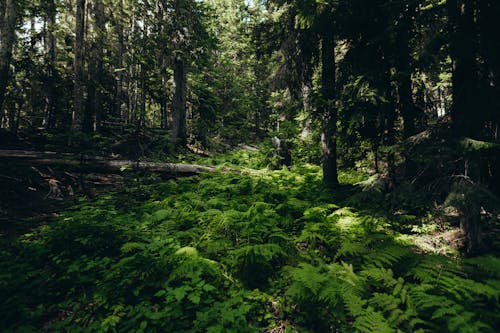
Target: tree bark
328	110
2	18
163	98
489	25
178	121
119	64
178	126
51	75
7	37
95	94
103	164
77	116
465	119
142	112
406	104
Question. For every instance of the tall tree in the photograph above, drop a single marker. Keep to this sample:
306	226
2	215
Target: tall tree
463	50
180	39
51	72
96	73
403	35
327	107
318	16
78	93
120	71
7	37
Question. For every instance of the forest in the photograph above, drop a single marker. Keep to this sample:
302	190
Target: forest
273	166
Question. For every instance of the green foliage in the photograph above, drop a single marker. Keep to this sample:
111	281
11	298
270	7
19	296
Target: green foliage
237	253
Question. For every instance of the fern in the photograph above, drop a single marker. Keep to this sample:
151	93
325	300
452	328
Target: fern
387	255
372	321
254	264
486	264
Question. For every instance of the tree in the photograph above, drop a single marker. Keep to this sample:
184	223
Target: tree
318	17
9	16
180	39
93	114
51	71
78	106
327	107
463	50
403	66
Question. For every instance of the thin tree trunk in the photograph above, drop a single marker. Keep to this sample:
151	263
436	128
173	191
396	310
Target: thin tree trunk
164	78
163	99
2	18
50	85
98	68
328	110
120	111
77	116
389	113
7	35
32	100
142	115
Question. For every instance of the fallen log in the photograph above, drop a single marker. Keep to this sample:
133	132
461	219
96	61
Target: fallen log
101	163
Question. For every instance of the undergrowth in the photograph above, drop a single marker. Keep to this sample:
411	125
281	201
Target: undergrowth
272	252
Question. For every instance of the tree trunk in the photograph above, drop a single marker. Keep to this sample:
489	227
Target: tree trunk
103	164
7	34
465	119
51	76
389	114
77	116
328	110
119	64
97	74
489	24
178	121
178	126
406	105
164	95
2	18
142	112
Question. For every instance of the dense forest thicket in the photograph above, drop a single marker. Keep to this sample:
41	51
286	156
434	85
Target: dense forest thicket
249	166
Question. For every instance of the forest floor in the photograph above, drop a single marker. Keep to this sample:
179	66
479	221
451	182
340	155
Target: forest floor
260	250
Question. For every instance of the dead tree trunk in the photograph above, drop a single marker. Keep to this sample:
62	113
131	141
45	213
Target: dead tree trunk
103	164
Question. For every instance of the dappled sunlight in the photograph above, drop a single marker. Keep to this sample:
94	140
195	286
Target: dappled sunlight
238	245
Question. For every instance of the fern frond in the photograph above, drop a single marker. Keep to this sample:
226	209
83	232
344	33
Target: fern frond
388	255
486	264
372	321
381	276
307	280
351	249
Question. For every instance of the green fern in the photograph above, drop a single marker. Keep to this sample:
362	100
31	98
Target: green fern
486	264
382	256
372	321
254	264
